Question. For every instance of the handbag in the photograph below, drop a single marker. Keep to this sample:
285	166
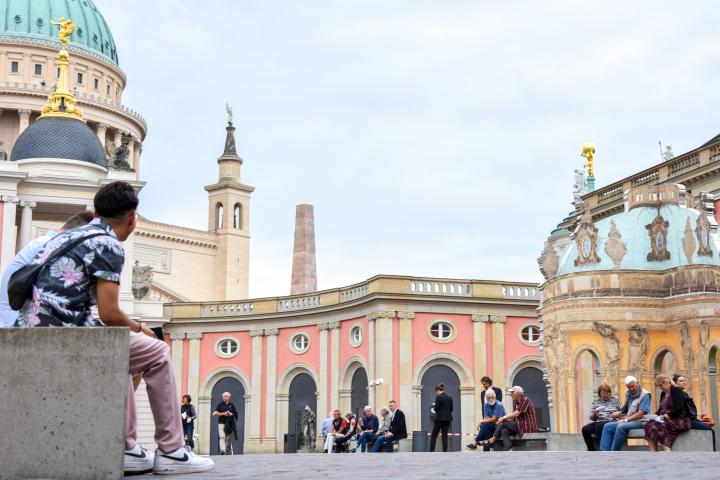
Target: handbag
20	285
690	408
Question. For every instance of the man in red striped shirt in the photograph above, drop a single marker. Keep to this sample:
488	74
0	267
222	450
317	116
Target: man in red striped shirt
521	420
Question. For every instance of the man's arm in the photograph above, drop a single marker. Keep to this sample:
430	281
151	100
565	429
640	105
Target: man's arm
108	294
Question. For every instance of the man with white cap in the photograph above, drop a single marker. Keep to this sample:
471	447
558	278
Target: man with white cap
637	405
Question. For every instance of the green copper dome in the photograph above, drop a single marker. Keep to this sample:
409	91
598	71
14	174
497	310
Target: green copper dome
29	21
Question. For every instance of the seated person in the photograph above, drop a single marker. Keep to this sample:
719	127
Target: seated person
327	425
493	410
341	443
672	416
601	413
521	420
637	405
396	431
338	430
367	427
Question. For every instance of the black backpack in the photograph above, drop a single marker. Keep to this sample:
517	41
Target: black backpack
20	286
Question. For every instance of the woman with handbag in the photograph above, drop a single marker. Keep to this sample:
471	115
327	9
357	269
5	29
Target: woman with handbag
703	421
672	416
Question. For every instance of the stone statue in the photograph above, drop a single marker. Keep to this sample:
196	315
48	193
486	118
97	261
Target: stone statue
579	188
638	350
67	27
668	153
229	111
309	428
588	151
3	153
612	352
687	350
110	152
141	280
122	153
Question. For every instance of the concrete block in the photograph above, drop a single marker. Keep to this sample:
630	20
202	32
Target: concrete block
63	395
694	441
565	442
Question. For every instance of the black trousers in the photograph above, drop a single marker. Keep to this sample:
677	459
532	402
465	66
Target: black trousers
437	427
505	432
188	431
588	430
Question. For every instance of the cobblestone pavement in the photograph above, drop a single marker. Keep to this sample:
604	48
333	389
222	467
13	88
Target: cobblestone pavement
465	465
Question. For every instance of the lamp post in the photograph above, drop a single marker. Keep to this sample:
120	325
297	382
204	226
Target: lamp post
371	389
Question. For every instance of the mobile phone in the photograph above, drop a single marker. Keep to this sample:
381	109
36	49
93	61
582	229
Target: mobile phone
158	331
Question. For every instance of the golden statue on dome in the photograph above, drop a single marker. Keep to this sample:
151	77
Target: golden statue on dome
67	27
588	151
61	103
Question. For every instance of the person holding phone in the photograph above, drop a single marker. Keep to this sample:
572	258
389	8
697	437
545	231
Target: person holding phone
601	412
187	412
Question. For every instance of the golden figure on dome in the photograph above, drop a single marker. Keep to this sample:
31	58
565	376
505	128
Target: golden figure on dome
588	151
61	103
67	27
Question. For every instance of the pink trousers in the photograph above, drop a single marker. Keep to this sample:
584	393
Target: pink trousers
151	358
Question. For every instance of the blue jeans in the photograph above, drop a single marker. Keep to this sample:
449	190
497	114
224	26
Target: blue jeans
614	434
383	440
486	432
364	439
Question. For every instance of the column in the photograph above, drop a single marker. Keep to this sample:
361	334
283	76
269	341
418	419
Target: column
383	355
322	403
118	138
194	364
8	235
24	115
101	131
371	359
405	343
498	349
178	339
571	419
137	150
334	330
479	358
25	223
270	440
131	152
253	443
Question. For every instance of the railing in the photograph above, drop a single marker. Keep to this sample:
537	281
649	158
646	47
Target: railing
520	291
353	293
299	303
610	195
440	288
645	178
714	153
231	309
683	164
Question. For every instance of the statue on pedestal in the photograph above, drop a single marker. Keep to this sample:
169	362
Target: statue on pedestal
309	429
141	280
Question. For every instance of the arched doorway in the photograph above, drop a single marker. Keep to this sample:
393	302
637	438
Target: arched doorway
302	393
531	380
237	396
433	376
713	386
666	364
587	381
359	389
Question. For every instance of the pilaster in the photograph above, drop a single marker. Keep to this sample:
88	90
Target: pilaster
383	355
498	349
371	358
270	387
24	116
9	230
253	436
101	132
405	343
194	364
479	358
322	403
334	330
178	339
26	217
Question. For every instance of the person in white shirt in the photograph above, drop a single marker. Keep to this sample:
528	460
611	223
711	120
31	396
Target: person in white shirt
25	257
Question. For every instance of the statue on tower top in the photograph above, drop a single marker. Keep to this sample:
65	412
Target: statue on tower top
228	109
67	27
588	151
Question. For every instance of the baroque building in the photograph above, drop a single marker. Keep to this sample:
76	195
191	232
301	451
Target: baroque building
633	287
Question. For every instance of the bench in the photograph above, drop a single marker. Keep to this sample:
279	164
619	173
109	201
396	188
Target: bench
53	381
690	441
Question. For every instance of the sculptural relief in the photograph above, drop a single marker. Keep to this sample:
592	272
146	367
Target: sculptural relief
555	348
549	262
615	248
658	231
703	230
638	350
687	352
612	352
141	280
586	236
688	241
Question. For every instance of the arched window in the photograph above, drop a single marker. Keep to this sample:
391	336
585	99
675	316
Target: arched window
237	216
219	216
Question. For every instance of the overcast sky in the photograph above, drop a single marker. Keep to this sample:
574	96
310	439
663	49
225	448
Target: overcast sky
434	138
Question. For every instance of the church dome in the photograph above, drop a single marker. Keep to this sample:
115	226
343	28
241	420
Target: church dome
28	21
62	138
656	232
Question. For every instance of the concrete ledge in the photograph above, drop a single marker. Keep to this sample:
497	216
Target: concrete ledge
63	394
690	441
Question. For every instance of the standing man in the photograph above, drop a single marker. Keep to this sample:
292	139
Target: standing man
521	420
88	274
487	384
187	412
398	430
443	417
25	257
227	418
637	405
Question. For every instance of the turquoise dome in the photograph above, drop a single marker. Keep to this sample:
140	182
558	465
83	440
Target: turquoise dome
29	21
632	227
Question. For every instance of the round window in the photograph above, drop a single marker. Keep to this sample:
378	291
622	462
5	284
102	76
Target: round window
441	330
356	335
227	347
530	334
300	343
586	246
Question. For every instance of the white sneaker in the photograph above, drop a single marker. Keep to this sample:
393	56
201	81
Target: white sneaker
180	461
137	460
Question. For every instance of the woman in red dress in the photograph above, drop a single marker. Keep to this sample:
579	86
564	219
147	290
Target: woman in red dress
672	417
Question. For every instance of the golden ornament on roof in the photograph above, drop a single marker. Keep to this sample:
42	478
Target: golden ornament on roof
67	27
61	103
588	151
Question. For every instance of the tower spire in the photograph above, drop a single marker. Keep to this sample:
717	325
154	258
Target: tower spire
61	103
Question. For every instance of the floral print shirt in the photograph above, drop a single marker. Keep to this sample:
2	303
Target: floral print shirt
65	290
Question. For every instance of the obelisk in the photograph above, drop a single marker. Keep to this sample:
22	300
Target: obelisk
304	270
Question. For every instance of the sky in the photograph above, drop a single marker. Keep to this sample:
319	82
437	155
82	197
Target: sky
434	138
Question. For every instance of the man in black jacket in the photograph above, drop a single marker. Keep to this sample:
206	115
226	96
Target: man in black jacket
443	417
398	430
227	426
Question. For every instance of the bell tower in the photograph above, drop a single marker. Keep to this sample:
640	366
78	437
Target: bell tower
229	217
